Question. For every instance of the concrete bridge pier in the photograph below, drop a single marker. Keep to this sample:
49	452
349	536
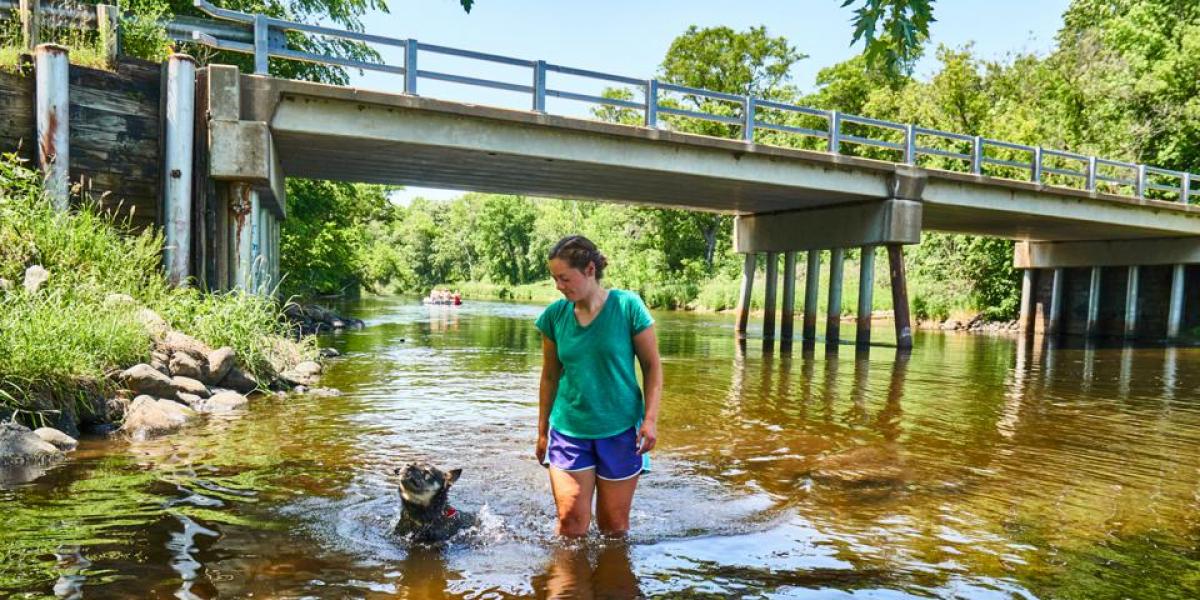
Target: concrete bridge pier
889	222
1135	289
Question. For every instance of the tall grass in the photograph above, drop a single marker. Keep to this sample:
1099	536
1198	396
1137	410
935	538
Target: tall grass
72	329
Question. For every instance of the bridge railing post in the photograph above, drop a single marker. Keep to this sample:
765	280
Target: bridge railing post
410	66
910	144
977	155
748	119
1036	175
1185	192
539	86
835	132
651	103
1141	182
1091	174
261	50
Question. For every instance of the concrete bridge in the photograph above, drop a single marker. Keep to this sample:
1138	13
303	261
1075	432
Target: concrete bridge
1107	247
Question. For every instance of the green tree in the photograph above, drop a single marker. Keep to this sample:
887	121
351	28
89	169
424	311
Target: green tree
893	31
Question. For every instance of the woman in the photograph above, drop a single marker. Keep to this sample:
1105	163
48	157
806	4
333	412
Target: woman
594	426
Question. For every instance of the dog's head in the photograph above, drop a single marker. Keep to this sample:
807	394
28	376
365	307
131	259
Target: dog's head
422	484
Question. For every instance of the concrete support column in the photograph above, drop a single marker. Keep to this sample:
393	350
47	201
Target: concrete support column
902	316
866	295
770	293
789	296
177	166
1131	302
1054	320
1028	312
743	310
1175	312
1093	311
243	208
833	319
812	291
52	101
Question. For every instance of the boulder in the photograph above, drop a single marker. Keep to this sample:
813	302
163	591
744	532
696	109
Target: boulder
191	400
220	361
239	381
329	352
161	363
148	417
144	379
294	378
224	402
20	446
156	326
56	438
35	276
176	342
864	466
118	299
5	284
323	392
183	365
187	385
308	367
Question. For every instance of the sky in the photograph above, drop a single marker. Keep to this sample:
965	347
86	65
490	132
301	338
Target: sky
629	37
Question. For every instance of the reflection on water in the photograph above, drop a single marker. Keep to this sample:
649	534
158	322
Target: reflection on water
976	467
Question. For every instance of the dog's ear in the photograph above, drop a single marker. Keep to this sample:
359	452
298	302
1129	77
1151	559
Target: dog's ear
452	476
397	471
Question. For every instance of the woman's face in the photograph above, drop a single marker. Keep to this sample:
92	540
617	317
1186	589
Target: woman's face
571	282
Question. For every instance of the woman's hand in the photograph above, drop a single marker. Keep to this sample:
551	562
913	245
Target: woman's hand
540	450
647	436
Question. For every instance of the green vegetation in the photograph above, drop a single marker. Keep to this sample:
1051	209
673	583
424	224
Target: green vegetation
74	330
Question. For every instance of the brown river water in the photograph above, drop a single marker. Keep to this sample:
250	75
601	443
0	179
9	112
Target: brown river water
977	467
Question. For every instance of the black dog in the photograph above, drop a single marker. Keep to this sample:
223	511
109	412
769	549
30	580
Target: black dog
426	516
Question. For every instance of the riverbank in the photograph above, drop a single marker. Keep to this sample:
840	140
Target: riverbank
93	337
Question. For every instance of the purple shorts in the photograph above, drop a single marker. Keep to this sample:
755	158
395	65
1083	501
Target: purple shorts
614	458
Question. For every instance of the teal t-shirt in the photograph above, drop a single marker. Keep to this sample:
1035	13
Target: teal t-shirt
598	394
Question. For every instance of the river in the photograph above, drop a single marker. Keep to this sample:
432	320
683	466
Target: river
978	467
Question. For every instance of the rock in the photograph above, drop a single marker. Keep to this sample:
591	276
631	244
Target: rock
292	378
156	326
176	342
187	385
329	352
191	400
115	408
224	402
161	363
220	361
321	392
308	367
5	284
338	324
951	325
35	276
20	446
864	466
118	299
239	381
184	365
144	379
56	438
148	417
300	389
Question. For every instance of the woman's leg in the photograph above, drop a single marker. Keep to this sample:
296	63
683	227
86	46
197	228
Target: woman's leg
573	497
613	501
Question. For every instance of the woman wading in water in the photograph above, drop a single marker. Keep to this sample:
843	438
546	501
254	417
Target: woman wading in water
595	428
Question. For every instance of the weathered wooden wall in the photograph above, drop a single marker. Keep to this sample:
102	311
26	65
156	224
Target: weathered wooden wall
115	133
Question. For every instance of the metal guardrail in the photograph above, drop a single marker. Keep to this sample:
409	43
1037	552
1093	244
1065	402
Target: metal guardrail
265	38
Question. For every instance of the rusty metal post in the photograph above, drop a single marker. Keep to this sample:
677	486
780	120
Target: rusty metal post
1027	303
31	23
177	187
243	204
900	307
770	294
743	310
812	292
53	119
833	312
788	325
866	296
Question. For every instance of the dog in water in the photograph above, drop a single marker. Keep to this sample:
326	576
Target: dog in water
426	515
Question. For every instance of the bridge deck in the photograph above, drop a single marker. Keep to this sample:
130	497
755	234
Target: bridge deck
330	132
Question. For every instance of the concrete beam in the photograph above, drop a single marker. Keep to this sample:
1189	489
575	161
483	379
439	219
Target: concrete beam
1114	253
866	224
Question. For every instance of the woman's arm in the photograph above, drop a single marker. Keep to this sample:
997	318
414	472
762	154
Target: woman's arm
547	389
645	345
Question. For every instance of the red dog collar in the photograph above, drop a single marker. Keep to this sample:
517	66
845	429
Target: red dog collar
450	512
